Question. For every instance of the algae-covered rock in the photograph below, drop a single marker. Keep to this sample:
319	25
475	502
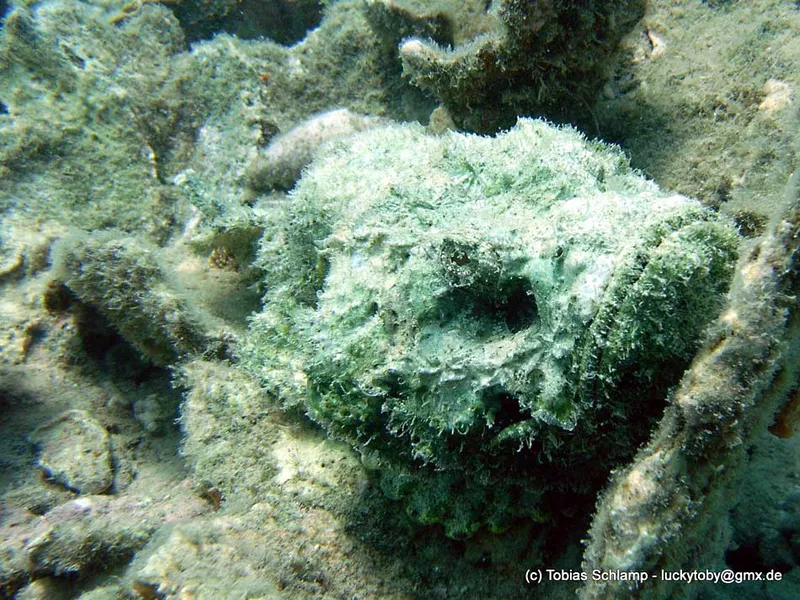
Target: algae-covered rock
97	111
125	279
75	451
280	165
494	322
539	58
670	508
87	533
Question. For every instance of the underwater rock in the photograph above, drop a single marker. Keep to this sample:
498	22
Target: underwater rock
492	322
667	508
46	588
194	560
283	21
539	58
89	534
280	165
62	65
123	278
75	451
394	21
237	440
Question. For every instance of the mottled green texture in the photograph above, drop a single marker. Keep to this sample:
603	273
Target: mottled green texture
548	57
111	120
95	113
489	308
